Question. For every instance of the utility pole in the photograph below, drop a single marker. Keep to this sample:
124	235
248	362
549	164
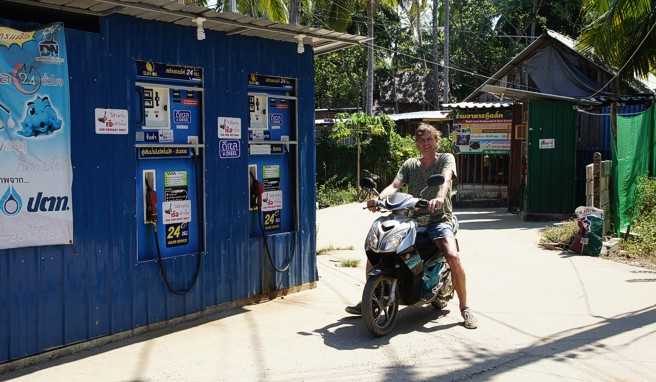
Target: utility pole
447	62
233	6
436	68
369	106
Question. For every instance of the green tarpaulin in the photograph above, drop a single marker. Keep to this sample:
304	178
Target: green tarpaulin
634	155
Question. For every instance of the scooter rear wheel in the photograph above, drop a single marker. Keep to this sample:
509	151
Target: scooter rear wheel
379	308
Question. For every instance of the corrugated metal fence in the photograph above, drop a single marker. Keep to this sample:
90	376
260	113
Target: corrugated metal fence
58	295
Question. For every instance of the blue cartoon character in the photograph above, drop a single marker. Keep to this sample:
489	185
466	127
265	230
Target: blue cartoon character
40	118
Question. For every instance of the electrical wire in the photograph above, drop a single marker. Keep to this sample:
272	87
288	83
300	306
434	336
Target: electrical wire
627	61
607	114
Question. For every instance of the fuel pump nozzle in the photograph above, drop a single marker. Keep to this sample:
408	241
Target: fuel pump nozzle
151	205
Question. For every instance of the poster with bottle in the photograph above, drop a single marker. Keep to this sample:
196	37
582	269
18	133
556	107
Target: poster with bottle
259	117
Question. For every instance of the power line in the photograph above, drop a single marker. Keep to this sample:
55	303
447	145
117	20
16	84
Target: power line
450	67
627	61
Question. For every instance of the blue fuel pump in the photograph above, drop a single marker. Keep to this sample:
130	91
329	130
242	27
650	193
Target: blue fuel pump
170	159
272	143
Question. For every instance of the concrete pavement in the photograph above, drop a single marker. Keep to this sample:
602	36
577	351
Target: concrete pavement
544	316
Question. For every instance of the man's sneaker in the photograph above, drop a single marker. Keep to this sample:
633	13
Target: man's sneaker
355	310
470	321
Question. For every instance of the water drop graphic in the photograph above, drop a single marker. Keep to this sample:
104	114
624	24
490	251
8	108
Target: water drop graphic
11	202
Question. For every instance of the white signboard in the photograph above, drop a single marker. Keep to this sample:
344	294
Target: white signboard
111	121
229	128
260	149
271	200
547	143
177	211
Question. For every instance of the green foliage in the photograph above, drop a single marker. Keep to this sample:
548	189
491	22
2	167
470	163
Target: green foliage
339	77
615	29
643	243
360	126
383	149
275	10
446	145
335	191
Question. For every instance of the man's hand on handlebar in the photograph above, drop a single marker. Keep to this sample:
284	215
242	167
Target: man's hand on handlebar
435	205
372	205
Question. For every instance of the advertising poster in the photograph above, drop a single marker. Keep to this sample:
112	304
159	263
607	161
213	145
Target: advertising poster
272	197
483	132
36	206
176	208
111	121
229	128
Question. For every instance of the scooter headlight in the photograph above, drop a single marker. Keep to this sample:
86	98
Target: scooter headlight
392	241
372	238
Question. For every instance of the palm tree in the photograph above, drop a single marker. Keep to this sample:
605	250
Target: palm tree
274	10
340	17
621	32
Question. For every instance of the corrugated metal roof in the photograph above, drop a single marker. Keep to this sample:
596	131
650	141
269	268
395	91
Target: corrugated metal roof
478	105
176	12
425	115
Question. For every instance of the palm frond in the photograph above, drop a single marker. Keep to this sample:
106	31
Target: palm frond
615	31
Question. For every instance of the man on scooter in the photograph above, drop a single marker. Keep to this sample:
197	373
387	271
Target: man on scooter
441	224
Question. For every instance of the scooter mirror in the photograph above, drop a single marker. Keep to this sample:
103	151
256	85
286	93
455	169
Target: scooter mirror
435	180
368	183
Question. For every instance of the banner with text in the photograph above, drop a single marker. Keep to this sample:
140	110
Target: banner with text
483	132
35	163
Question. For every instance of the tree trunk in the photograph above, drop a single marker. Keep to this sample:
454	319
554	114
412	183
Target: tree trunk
419	39
394	83
357	176
369	107
293	11
436	69
447	62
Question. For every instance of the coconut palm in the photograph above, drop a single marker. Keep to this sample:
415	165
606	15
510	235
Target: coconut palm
616	29
274	10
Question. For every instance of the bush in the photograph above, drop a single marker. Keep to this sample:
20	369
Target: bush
336	191
643	242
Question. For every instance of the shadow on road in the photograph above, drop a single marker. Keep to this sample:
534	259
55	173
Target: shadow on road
558	347
350	332
497	219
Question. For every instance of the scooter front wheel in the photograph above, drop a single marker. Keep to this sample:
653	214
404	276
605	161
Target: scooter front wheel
380	304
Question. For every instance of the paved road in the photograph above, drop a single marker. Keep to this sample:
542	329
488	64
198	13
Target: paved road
543	317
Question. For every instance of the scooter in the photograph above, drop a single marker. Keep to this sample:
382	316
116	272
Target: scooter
407	266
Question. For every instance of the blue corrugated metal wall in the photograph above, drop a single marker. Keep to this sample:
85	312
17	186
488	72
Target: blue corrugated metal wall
58	295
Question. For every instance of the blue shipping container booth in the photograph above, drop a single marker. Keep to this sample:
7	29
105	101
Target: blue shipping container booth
157	162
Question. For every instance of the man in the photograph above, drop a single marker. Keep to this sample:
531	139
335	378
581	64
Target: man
414	172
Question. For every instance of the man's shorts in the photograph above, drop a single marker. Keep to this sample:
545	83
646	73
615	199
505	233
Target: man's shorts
439	231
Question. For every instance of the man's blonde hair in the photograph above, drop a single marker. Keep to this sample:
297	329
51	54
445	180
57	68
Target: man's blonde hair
425	128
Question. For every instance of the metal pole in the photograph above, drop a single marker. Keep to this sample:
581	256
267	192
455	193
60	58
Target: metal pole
446	51
436	68
369	106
